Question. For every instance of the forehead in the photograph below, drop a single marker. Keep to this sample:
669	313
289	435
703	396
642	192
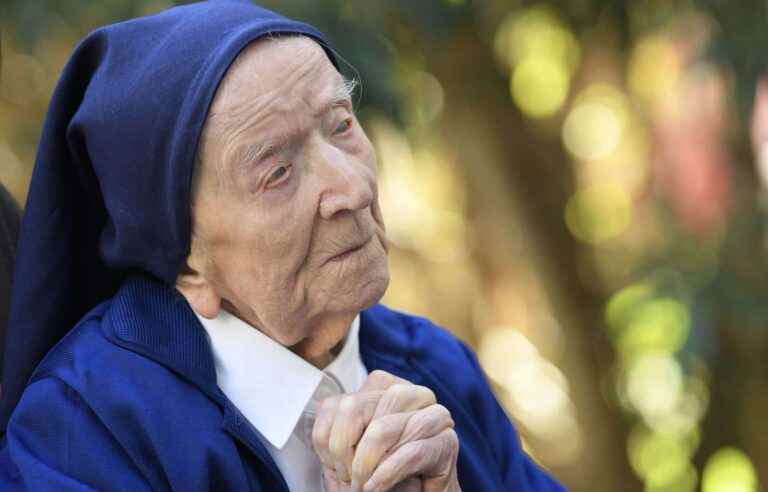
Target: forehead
275	71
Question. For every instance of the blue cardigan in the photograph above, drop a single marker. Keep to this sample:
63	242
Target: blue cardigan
128	401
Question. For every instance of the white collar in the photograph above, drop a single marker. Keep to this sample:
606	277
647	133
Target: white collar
269	384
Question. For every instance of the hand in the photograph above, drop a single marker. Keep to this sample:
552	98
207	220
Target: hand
390	433
333	484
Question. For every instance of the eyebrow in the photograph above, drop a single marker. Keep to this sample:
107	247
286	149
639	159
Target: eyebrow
341	95
247	154
254	152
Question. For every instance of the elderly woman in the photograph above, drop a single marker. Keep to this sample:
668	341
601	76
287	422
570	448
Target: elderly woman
204	213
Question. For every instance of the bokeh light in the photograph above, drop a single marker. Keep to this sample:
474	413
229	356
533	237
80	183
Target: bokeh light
654	68
537	392
426	96
599	213
542	55
592	130
659	325
729	470
654	384
423	204
623	304
596	124
539	86
663	460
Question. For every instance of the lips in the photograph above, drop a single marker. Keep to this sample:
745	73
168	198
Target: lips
349	252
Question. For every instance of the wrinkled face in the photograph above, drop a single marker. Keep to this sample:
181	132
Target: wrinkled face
287	230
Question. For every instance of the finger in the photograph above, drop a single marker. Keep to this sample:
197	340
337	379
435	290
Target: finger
386	434
432	459
410	485
380	436
425	423
404	398
332	483
380	380
321	431
353	414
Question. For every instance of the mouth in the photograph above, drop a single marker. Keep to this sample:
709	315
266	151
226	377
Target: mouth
349	252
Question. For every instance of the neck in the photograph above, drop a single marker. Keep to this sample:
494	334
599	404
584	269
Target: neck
325	341
321	362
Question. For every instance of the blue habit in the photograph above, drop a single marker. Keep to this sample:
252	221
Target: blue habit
128	401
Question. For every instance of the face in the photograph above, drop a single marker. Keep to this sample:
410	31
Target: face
287	229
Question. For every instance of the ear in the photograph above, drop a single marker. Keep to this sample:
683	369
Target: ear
198	290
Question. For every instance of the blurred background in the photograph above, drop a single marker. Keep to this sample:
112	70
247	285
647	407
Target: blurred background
576	188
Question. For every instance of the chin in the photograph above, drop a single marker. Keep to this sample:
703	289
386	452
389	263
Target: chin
366	292
372	292
374	283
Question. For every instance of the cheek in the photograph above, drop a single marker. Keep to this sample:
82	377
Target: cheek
271	245
365	149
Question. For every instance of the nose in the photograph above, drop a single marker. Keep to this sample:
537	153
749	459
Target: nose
349	185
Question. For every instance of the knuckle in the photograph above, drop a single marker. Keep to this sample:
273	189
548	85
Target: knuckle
416	451
419	420
328	405
347	404
442	412
452	439
337	447
428	394
377	431
320	436
380	376
422	424
317	436
398	390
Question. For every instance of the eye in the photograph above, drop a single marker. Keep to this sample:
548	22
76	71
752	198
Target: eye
277	175
343	127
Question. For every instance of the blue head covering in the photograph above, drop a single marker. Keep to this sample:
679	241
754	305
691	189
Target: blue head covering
110	193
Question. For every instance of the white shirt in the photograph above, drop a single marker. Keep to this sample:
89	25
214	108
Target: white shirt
276	391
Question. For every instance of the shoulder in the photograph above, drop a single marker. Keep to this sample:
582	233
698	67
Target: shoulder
94	393
421	343
114	376
406	333
83	346
86	360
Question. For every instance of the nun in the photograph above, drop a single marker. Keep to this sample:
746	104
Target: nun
195	300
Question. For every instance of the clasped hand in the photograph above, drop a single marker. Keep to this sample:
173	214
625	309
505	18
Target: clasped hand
390	435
